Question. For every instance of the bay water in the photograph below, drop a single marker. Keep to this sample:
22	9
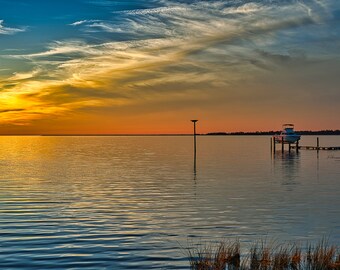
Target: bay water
136	202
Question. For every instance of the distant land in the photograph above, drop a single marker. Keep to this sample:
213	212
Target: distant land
219	133
301	132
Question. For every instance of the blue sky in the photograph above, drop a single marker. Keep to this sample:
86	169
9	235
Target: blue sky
99	66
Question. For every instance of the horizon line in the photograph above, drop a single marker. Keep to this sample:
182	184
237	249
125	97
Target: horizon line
173	134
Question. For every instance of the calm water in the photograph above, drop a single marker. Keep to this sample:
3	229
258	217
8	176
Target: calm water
131	202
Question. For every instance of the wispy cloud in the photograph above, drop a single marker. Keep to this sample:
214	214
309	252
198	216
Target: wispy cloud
71	49
23	76
168	53
159	10
11	110
83	22
9	30
244	9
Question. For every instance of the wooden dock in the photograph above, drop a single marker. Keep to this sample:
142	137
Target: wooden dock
316	148
298	147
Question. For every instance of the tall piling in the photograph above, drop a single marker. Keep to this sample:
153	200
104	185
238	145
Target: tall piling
195	146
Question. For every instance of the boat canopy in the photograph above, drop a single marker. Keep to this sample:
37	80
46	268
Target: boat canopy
287	126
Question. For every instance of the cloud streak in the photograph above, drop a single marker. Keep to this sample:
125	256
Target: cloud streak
9	30
11	110
170	53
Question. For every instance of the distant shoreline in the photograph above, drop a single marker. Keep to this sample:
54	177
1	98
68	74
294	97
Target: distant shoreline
301	132
238	133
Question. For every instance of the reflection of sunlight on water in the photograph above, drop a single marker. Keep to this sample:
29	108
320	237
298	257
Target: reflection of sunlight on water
120	200
287	165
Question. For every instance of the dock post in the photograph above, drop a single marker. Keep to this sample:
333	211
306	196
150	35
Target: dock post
274	144
282	146
297	146
317	143
271	144
289	147
194	122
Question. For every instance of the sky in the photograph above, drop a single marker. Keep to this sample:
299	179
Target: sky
149	66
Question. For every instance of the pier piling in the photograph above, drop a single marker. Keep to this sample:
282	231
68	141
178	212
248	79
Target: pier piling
291	146
194	121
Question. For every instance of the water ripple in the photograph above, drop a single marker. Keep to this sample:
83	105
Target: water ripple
135	202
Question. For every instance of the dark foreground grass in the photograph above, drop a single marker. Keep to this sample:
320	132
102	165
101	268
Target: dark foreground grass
264	256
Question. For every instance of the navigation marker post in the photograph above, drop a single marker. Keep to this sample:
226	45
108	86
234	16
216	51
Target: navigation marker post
194	121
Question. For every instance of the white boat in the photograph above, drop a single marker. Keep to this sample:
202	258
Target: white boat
287	134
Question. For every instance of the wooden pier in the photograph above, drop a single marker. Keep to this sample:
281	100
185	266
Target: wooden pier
316	148
273	143
297	147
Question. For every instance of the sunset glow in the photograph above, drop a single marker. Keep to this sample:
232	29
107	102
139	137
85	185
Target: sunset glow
117	67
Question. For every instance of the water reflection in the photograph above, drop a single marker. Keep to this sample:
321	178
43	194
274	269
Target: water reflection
287	166
195	172
127	202
195	166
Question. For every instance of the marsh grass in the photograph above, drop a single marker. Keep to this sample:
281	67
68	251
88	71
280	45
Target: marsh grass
322	256
263	256
214	256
